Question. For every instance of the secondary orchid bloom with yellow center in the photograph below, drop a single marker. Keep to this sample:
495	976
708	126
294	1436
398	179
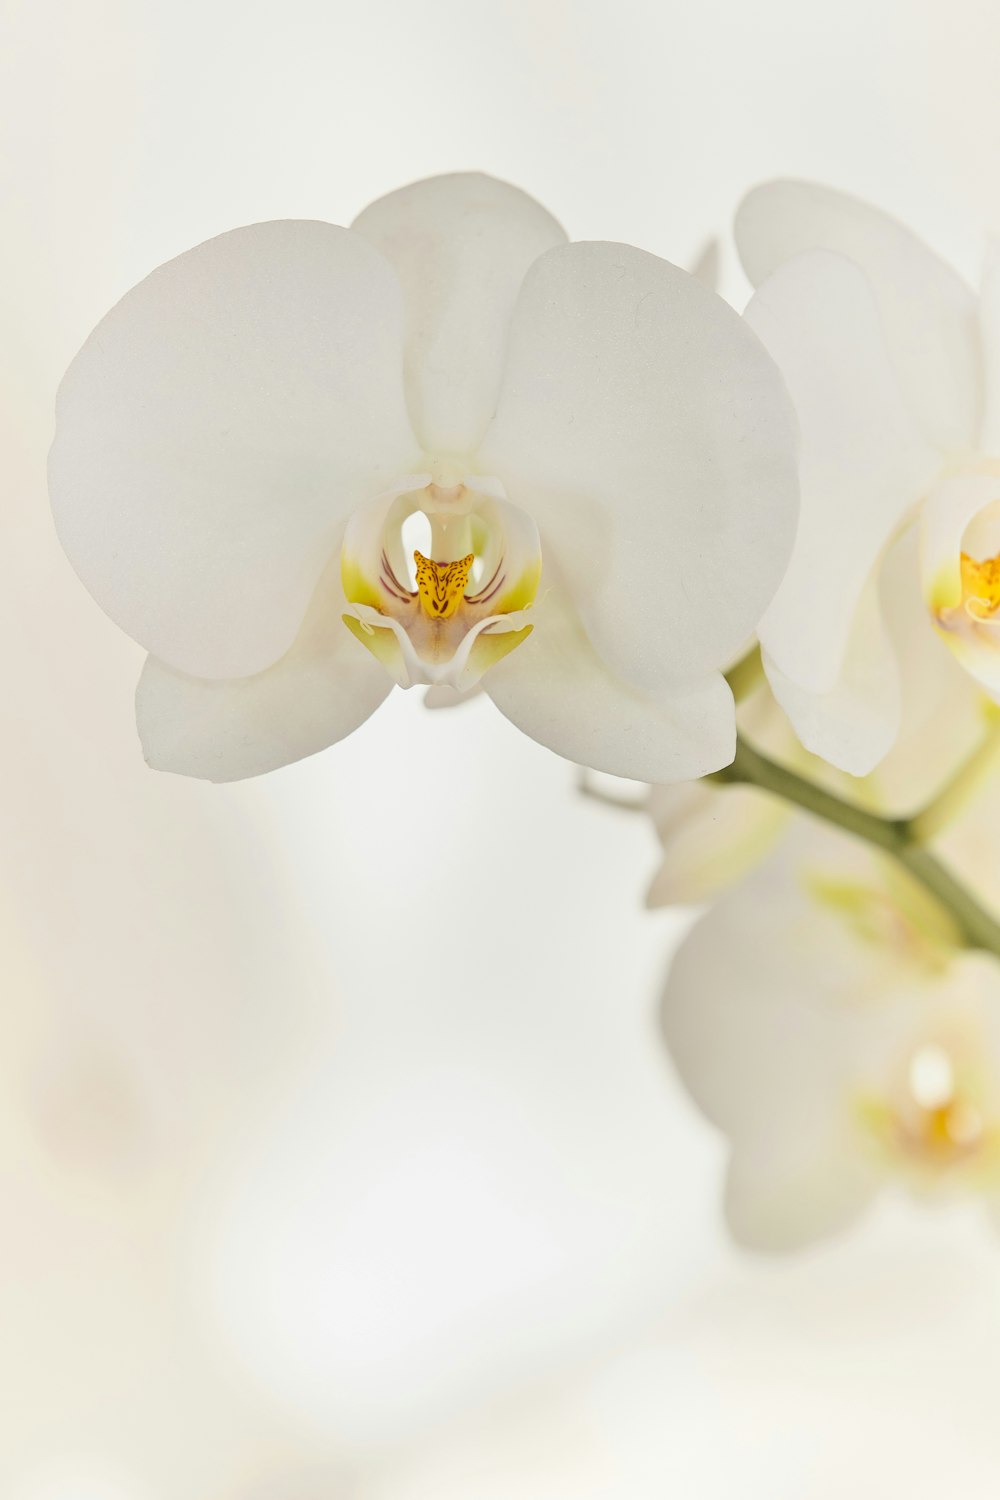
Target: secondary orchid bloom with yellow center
822	1018
302	463
894	367
712	834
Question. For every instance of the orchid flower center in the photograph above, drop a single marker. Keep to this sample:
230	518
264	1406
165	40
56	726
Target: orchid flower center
980	586
933	1118
441	586
448	610
968	615
963	593
936	1118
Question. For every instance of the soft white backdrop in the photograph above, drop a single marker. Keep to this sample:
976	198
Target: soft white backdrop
337	1154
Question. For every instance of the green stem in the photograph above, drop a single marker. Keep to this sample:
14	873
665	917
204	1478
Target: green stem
895	836
747	674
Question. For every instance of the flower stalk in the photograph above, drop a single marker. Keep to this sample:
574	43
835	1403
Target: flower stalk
746	675
900	838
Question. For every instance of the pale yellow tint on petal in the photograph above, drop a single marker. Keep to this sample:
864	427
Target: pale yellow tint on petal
383	645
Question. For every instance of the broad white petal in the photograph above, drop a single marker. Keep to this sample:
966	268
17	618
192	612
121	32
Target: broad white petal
989	316
460	245
796	1190
854	723
929	313
556	688
216	430
320	691
761	1014
753	1009
711	836
864	462
646	430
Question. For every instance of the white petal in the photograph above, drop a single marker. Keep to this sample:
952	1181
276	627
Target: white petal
942	717
978	654
854	723
990	334
750	1010
761	1016
556	688
320	691
442	695
460	245
951	509
646	430
864	462
797	1190
711	836
216	430
928	311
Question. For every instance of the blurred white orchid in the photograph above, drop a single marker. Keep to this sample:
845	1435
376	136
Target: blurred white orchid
895	372
435	434
713	833
824	1018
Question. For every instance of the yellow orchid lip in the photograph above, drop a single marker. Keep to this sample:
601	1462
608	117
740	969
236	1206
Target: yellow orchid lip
947	1137
980	586
964	605
934	1119
959	545
441	585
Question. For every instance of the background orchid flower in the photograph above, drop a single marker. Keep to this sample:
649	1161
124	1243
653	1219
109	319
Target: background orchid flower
822	1017
713	833
893	366
443	435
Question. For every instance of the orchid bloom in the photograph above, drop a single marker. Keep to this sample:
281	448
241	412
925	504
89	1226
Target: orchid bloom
302	463
894	368
712	834
821	1016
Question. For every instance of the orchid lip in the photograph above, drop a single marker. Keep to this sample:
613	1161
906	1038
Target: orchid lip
961	569
932	1117
435	613
458	672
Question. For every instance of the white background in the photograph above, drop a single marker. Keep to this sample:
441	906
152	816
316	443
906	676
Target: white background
338	1157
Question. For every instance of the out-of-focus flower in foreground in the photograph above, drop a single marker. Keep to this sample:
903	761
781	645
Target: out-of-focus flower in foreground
894	367
449	437
822	1016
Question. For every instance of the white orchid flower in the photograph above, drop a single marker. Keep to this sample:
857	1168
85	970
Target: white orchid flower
821	1016
894	367
712	834
598	450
